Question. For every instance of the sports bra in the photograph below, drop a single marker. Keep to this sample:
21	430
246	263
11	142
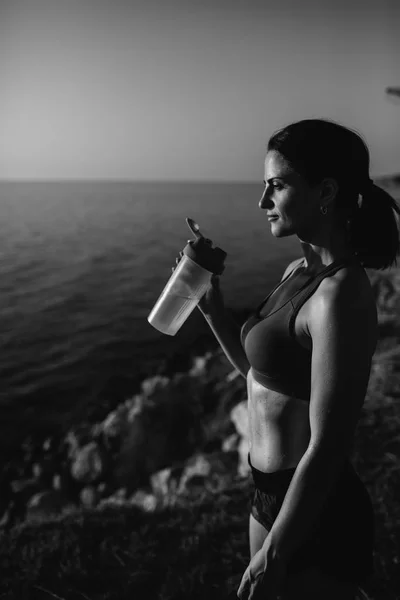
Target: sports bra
277	359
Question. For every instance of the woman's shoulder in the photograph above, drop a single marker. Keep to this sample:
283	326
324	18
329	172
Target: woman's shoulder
349	288
351	280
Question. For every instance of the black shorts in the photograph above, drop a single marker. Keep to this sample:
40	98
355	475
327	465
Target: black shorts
341	541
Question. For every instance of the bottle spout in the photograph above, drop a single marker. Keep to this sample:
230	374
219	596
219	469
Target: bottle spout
194	228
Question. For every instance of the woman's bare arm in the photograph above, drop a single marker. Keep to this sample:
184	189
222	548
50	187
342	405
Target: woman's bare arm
227	332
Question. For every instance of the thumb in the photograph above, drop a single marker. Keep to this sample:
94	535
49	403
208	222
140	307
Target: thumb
244	587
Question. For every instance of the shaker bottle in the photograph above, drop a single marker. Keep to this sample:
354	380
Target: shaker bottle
187	284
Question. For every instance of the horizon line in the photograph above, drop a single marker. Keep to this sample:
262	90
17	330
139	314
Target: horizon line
383	177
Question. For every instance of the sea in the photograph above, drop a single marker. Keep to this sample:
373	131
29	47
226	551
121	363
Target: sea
82	263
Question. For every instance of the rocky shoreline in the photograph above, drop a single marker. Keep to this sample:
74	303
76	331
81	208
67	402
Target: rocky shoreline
180	434
177	433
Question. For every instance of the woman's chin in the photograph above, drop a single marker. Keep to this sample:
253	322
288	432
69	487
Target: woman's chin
278	231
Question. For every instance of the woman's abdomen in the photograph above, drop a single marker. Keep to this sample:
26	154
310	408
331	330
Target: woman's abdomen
279	430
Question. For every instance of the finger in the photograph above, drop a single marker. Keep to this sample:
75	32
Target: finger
257	592
254	592
242	594
244	585
241	590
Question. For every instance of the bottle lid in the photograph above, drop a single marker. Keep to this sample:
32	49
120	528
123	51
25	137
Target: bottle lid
202	253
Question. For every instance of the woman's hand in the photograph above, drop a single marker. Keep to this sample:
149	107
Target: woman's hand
212	302
262	578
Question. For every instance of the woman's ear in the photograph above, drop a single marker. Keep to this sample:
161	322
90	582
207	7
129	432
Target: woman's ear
328	191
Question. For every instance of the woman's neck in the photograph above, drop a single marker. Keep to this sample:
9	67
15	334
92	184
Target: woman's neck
317	257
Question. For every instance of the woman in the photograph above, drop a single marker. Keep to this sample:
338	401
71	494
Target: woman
306	354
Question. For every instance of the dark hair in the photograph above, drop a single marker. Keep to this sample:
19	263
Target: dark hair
317	149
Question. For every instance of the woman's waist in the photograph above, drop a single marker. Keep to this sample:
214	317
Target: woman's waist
272	458
279	433
279	479
271	481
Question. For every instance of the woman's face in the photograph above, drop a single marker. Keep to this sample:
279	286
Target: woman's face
291	205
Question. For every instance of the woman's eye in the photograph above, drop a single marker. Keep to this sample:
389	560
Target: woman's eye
274	185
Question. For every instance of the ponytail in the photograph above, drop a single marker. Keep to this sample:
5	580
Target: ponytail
373	229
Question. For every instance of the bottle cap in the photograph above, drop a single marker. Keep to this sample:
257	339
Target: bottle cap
202	253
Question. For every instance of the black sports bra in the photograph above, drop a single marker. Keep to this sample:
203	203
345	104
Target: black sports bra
277	359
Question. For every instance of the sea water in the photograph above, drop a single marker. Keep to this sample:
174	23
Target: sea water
83	263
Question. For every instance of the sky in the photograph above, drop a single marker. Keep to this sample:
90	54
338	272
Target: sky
189	89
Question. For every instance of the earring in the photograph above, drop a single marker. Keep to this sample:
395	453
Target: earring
324	210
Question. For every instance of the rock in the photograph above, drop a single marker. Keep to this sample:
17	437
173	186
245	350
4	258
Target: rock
197	470
386	288
5	519
89	496
240	419
36	470
208	471
165	483
45	504
201	471
144	500
44	470
116	422
47	444
165	428
25	487
199	365
20	493
77	438
118	498
57	483
243	464
64	482
232	376
88	463
231	443
134	411
5	498
153	384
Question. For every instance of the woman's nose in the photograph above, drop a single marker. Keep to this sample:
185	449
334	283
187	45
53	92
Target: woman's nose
265	200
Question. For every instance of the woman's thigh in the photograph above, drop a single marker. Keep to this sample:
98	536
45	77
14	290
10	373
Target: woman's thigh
257	535
313	584
309	583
